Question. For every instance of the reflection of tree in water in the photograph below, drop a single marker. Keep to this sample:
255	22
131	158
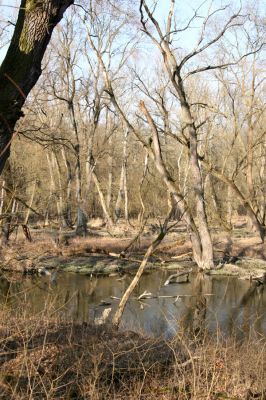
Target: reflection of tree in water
235	303
9	290
194	319
249	308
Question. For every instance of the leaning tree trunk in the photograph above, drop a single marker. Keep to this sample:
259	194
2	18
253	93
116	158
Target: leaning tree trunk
21	67
156	155
152	247
106	214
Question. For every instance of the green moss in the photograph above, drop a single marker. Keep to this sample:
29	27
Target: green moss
25	44
31	5
25	41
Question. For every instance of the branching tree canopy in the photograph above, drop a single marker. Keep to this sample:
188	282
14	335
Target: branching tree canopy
21	67
137	101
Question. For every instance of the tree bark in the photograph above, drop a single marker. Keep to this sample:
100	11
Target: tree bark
21	67
188	126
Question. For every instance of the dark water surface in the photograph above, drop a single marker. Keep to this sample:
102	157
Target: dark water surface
225	303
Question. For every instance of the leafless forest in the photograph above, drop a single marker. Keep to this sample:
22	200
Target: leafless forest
141	110
124	123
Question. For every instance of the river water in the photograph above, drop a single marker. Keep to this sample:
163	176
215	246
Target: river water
227	304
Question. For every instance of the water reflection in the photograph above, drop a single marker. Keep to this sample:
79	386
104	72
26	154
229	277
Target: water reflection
224	303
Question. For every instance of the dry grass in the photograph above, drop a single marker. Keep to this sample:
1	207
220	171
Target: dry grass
43	357
21	256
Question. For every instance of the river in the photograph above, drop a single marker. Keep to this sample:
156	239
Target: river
227	304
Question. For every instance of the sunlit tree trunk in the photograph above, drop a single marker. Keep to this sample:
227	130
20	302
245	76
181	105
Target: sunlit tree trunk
102	200
53	183
122	196
2	197
26	220
67	208
109	184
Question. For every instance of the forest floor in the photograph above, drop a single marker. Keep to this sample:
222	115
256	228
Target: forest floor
237	252
43	358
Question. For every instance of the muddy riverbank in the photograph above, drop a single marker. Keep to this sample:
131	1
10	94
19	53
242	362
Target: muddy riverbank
238	254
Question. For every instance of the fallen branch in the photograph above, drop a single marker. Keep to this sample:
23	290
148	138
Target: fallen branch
116	255
146	295
181	255
173	277
163	231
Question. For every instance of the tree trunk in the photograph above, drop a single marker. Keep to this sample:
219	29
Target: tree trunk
2	197
102	200
30	203
229	213
262	174
53	184
67	209
197	246
257	225
144	173
63	207
110	162
195	171
110	183
21	67
7	205
122	192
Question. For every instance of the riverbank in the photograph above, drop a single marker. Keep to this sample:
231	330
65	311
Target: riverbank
45	358
237	254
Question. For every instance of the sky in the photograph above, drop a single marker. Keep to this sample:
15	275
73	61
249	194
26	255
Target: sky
184	10
9	10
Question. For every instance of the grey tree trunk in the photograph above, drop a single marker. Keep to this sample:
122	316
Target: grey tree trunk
177	197
26	220
53	183
144	173
67	208
102	200
122	196
2	197
110	184
196	177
